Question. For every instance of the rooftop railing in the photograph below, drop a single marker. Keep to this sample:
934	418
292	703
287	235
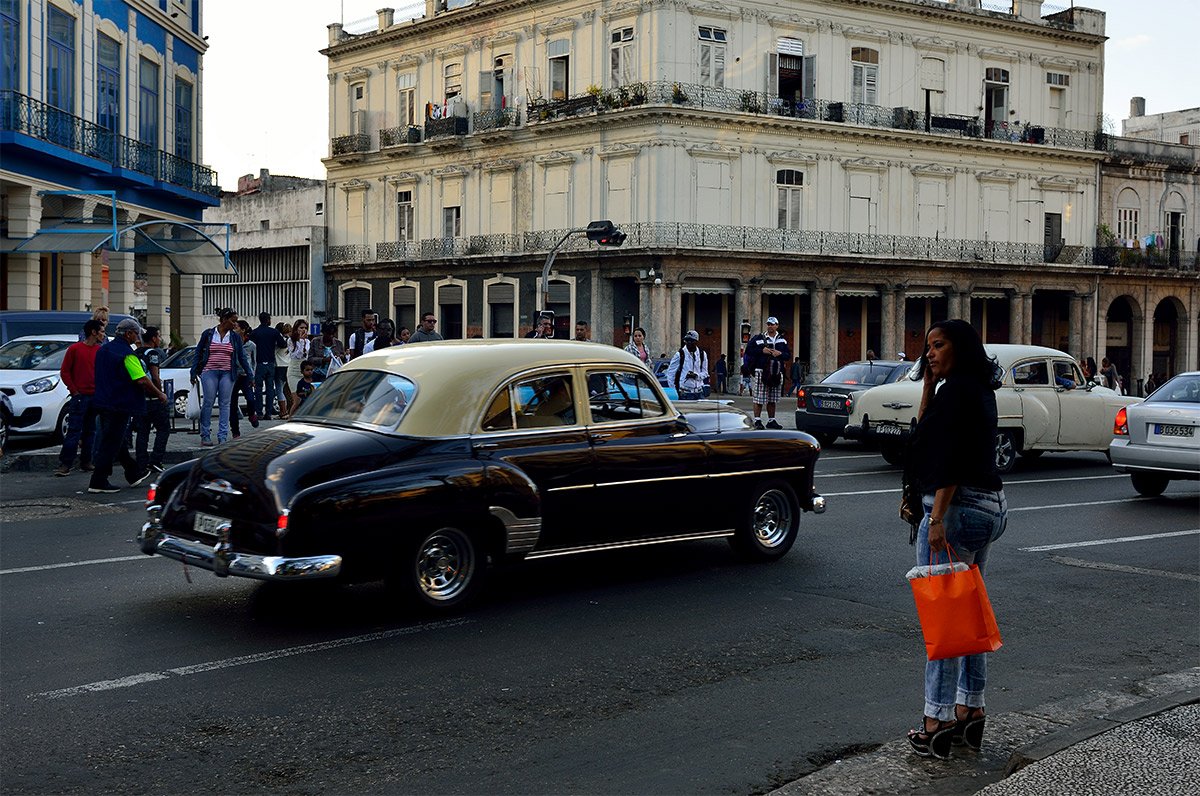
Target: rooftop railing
22	114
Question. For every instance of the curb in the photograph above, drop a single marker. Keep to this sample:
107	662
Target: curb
39	462
1057	741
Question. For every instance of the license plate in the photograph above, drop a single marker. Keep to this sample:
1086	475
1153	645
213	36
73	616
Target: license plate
828	404
207	524
1168	430
888	430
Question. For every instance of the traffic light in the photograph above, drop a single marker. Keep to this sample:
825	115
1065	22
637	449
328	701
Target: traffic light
605	233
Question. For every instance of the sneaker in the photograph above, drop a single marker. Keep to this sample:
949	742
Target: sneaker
63	470
87	467
773	423
254	420
138	478
758	425
206	443
103	489
158	468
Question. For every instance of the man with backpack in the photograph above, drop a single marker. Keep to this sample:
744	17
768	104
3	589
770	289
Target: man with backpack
766	355
362	335
688	371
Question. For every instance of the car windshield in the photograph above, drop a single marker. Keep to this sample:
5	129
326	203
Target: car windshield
184	358
33	354
1181	389
368	398
868	373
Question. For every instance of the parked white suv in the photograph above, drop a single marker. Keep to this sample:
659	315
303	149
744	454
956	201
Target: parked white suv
1043	405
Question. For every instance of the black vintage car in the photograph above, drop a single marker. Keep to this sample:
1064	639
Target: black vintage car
822	408
420	463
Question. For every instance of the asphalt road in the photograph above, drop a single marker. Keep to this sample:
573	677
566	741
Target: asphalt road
673	669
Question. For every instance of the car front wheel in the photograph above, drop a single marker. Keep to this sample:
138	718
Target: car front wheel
1006	452
1149	484
769	524
181	397
445	569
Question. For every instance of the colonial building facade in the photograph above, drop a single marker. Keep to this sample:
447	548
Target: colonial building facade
101	185
856	169
277	243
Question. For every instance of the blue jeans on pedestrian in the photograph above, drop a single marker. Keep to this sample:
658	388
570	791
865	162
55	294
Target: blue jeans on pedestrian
975	519
218	387
264	384
81	427
111	447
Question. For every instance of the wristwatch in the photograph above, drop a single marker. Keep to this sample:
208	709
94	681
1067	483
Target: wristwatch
935	520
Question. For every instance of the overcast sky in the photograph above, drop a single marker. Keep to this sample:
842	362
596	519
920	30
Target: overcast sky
266	92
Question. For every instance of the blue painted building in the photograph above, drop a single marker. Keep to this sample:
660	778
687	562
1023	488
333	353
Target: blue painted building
101	181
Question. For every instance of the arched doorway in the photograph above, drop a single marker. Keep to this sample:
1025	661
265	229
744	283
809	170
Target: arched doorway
1167	339
1119	339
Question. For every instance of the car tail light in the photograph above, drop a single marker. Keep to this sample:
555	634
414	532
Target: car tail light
801	399
281	524
151	494
1121	424
849	404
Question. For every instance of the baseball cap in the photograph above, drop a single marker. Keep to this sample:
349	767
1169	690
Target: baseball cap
692	335
773	320
129	324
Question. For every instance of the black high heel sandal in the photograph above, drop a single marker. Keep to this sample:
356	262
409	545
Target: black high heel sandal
969	731
933	744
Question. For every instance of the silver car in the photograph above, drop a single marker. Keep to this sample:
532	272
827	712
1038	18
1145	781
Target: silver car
1158	440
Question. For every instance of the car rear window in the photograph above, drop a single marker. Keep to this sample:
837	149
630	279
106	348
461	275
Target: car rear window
33	354
1181	389
868	373
370	398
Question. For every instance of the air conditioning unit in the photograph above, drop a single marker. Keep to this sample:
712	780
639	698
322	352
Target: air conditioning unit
358	122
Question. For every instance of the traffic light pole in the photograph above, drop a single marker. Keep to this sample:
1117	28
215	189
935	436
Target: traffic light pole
550	262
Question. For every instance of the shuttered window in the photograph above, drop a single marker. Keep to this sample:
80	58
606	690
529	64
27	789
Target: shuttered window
864	64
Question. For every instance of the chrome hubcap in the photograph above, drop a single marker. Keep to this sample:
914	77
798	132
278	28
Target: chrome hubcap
1004	450
772	518
445	564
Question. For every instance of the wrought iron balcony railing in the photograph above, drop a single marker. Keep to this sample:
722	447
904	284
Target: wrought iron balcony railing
346	255
497	119
451	125
351	144
690	95
1151	258
397	136
22	114
648	236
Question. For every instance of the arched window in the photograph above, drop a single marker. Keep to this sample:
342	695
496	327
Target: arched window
1128	209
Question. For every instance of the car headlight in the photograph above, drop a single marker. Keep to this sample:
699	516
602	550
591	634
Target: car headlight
40	385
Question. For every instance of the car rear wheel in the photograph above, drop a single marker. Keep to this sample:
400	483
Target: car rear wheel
60	429
769	523
1006	452
445	569
181	397
892	453
1149	484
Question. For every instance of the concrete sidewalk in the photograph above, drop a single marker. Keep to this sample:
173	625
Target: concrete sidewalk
1145	739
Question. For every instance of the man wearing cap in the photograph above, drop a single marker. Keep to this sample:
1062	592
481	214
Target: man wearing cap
688	370
766	354
121	383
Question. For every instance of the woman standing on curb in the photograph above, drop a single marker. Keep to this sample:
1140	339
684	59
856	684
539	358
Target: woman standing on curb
283	393
953	462
219	353
297	353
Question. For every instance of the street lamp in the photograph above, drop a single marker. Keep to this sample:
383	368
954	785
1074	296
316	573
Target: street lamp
603	233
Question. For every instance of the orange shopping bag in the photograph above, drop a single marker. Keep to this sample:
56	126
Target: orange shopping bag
956	615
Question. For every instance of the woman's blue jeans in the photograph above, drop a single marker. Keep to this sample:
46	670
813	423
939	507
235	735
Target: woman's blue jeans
975	519
217	386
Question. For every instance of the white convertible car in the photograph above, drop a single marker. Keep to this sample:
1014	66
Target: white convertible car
1043	405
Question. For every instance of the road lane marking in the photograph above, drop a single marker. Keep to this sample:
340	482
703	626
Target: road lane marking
843	475
1008	484
44	567
1118	540
1160	573
1076	505
241	660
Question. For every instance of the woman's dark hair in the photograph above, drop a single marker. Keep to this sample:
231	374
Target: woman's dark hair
640	329
225	312
970	359
1091	363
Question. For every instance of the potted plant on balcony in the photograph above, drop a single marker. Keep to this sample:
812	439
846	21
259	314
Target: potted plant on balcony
677	95
637	94
749	102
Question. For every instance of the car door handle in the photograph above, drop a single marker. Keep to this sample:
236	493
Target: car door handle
485	445
599	438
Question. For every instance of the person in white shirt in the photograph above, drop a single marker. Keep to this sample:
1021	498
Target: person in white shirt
688	371
766	355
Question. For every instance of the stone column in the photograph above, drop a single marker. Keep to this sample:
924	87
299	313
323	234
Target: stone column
675	317
964	305
1027	316
1075	327
1088	324
887	323
120	282
158	300
1016	319
1192	324
76	281
24	270
190	310
953	309
819	339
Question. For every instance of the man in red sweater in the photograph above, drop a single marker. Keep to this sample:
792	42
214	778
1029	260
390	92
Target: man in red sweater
79	374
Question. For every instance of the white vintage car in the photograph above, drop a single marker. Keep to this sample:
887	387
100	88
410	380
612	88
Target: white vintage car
1043	405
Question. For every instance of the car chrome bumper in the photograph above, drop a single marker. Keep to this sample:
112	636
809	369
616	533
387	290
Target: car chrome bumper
224	561
1177	462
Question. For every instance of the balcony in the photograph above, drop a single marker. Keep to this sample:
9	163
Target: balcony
88	145
396	140
698	97
451	127
351	148
1150	259
347	255
497	124
659	236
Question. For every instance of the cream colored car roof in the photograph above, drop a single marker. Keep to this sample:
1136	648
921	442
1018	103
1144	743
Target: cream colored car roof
455	377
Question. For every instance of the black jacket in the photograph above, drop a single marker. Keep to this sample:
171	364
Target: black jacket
955	440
